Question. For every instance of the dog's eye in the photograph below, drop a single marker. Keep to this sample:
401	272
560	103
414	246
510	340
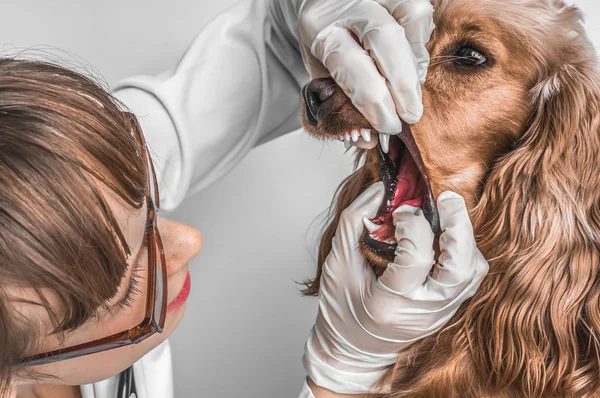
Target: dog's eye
468	56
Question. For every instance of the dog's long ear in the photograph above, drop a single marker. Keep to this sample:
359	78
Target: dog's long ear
536	320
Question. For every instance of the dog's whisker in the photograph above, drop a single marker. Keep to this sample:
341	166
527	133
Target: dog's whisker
322	148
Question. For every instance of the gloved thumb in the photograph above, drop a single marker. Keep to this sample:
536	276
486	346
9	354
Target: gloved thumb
345	257
366	205
369	201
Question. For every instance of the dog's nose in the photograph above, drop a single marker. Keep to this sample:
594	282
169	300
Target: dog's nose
315	94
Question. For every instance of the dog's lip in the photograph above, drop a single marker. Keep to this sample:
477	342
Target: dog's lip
381	249
429	208
387	250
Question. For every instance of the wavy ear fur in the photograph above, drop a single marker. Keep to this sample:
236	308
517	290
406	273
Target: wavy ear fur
538	324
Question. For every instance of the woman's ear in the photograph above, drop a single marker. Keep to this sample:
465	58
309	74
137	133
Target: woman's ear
538	224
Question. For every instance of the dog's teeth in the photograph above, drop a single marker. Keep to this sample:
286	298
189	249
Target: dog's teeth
366	134
364	144
370	225
347	143
384	139
355	135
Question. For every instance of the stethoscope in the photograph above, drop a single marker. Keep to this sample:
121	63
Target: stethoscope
126	387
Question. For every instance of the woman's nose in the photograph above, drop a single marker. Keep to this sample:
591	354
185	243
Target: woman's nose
181	243
315	94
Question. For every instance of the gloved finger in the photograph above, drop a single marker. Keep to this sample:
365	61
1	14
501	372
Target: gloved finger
345	265
365	205
441	297
355	72
314	67
456	265
368	202
414	253
416	16
350	226
481	271
311	20
387	44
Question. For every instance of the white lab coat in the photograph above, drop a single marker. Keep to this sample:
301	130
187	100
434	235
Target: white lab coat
237	86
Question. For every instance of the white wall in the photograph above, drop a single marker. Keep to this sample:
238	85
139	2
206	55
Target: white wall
246	322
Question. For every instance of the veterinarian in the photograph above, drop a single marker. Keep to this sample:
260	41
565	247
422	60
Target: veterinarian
80	193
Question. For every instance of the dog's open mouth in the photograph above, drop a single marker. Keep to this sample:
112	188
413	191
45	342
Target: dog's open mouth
406	182
328	114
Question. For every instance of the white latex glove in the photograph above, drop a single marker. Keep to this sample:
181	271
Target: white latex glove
382	72
364	321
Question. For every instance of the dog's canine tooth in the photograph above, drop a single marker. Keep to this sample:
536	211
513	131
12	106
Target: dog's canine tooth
384	139
366	134
347	143
370	225
355	135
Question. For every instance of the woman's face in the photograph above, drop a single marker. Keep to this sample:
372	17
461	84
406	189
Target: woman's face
181	243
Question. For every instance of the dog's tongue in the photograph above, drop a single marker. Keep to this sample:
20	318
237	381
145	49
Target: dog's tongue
410	190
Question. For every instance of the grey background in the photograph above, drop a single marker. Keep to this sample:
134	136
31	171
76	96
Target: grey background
246	322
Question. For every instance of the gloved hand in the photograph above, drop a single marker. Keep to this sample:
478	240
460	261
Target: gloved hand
374	50
364	321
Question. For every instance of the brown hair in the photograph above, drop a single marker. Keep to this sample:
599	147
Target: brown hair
60	134
533	327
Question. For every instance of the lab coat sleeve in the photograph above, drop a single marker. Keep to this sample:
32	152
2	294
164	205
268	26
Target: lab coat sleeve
237	86
306	392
